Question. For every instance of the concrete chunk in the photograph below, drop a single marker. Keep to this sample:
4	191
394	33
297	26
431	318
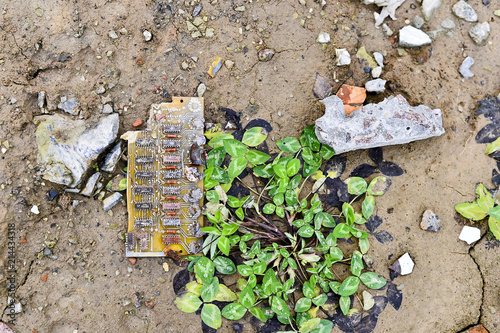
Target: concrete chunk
390	122
412	37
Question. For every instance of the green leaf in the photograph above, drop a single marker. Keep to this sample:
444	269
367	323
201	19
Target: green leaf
494	225
279	199
268	280
377	186
472	211
348	212
320	299
325	326
259	268
308	138
342	230
306	231
219	175
205	269
252	280
291	198
326	219
264	171
216	157
303	304
345	304
288	145
335	286
223	245
336	254
294	182
372	280
356	263
492	147
327	152
224	265
212	196
292	263
364	245
246	237
293	167
279	307
229	228
308	156
209	290
188	303
309	169
245	270
233	201
279	170
269	208
280	212
225	294
239	212
331	240
356	185
257	157
235	148
308	289
349	286
247	297
236	167
484	198
258	314
234	311
194	288
210	314
368	206
309	325
218	140
254	136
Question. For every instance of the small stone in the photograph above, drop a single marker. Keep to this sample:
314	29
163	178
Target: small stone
412	37
470	234
100	90
41	100
388	31
368	301
434	34
379	58
343	57
429	7
51	195
184	65
479	32
197	9
111	201
465	68
418	22
161	280
323	38
107	109
266	55
112	34
477	329
492	309
137	122
44	277
190	26
91	183
132	260
497	12
376	72
377	85
165	267
448	24
123	31
463	10
198	21
403	266
202	88
147	35
430	221
352	97
112	158
229	64
240	8
210	32
35	210
322	88
69	105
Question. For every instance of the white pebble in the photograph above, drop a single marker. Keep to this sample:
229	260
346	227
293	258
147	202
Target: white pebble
470	234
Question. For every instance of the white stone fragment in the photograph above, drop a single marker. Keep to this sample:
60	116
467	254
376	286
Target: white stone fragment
412	37
418	22
379	58
479	32
388	9
406	264
448	24
323	37
35	210
463	10
377	85
388	31
112	34
107	109
465	68
376	72
147	35
343	57
429	7
470	234
202	88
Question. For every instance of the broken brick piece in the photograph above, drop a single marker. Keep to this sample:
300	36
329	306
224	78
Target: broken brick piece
352	97
477	329
44	277
137	123
132	260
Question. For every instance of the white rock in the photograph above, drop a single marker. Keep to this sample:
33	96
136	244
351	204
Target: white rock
379	58
448	24
479	32
429	7
147	35
465	68
388	31
343	57
418	22
35	210
470	234
377	85
201	89
323	37
412	37
107	109
406	264
376	72
112	34
368	301
463	10
388	9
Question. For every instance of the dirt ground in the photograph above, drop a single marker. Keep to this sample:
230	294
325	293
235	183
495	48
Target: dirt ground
62	48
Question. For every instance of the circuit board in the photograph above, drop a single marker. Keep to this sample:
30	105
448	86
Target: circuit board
165	180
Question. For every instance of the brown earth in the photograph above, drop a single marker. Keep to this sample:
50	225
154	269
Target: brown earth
61	47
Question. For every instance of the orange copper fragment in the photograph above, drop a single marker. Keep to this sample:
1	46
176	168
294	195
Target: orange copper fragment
352	97
477	329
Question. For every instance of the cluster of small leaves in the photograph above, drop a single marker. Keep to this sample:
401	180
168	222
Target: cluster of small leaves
286	240
481	208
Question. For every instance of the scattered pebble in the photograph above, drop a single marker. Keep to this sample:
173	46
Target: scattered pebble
463	10
323	38
403	266
379	58
35	210
430	221
470	234
112	34
429	7
165	267
322	88
377	85
132	260
229	64
44	277
388	31
216	65
240	8
51	195
479	32
111	201
418	22
69	105
100	90
91	183
112	158
412	37
266	54
477	329
362	54
202	88
107	108
465	68
448	24
197	9
137	122
147	35
368	301
352	97
343	57
376	72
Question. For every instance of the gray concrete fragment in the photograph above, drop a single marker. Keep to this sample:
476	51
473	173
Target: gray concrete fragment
448	24
69	105
390	122
111	201
412	37
379	58
429	7
343	57
418	22
91	183
67	148
480	32
377	85
465	68
463	10
430	221
107	109
112	158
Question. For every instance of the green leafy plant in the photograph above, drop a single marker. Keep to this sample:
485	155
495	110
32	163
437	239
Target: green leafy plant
285	238
483	207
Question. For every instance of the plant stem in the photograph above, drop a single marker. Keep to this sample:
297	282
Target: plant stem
251	189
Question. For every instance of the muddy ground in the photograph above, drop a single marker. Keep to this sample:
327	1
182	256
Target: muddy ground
62	47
